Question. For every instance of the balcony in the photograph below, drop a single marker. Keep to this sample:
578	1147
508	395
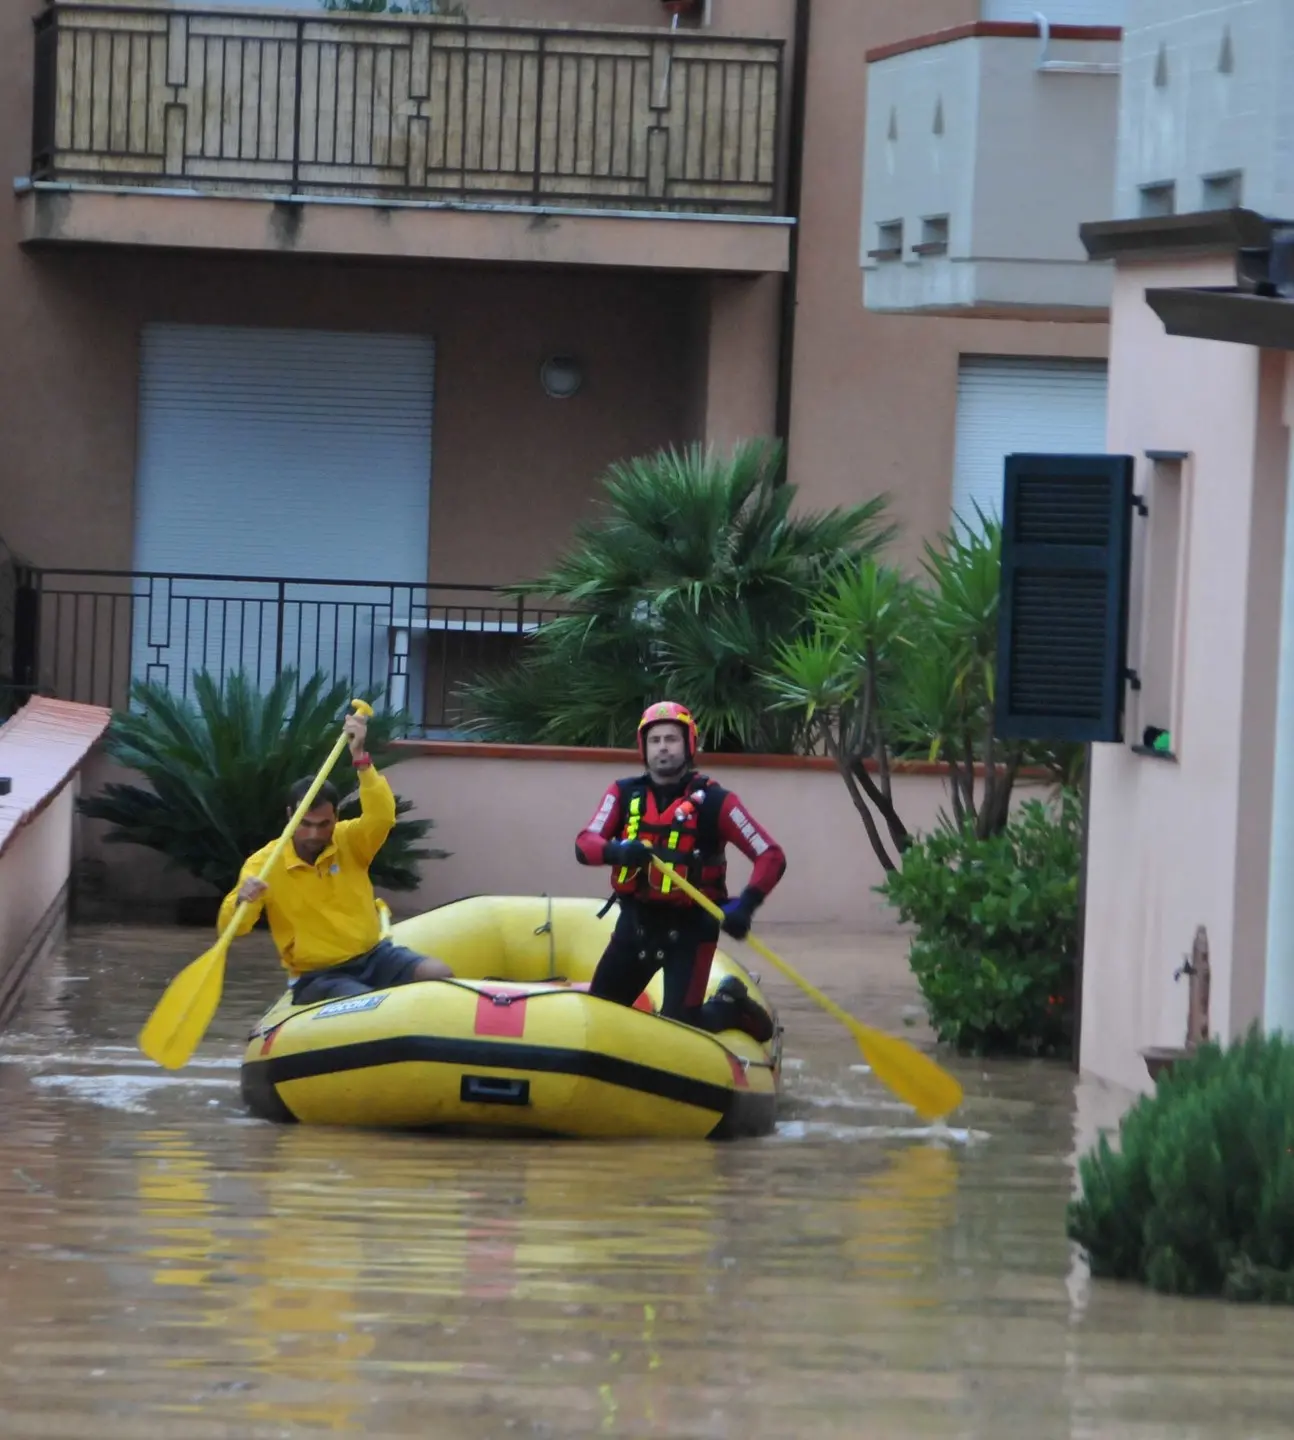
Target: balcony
405	136
987	146
88	635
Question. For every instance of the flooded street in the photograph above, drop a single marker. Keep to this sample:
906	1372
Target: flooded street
171	1268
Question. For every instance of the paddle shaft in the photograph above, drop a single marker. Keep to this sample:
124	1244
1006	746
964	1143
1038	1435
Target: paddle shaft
754	942
913	1077
281	844
180	1018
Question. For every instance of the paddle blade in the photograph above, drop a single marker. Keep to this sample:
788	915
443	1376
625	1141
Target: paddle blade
915	1078
181	1017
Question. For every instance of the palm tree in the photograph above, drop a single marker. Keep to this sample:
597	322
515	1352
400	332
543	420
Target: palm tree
684	585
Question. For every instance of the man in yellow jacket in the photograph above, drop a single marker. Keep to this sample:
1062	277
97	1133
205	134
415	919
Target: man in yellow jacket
319	899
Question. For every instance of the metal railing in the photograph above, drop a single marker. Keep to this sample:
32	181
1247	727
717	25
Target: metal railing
425	109
89	634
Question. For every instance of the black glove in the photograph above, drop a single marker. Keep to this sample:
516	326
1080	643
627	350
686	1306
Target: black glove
632	853
737	914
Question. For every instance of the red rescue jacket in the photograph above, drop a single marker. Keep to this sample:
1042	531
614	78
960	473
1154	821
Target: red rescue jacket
688	826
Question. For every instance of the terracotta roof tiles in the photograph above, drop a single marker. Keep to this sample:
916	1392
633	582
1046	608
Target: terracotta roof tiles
41	748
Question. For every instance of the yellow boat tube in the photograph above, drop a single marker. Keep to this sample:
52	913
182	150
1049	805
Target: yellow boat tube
513	1042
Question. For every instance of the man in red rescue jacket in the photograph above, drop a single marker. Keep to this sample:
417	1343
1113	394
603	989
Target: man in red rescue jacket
689	820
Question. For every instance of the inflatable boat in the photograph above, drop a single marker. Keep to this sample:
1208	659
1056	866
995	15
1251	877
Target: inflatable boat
513	1042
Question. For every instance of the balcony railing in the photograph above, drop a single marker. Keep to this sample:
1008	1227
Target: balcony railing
427	109
89	634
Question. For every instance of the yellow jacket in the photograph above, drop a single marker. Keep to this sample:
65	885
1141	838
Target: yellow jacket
325	913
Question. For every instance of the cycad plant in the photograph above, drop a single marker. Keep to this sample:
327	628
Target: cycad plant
950	675
896	667
845	676
218	773
684	584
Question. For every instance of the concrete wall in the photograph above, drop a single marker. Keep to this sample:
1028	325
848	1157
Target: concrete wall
1059	12
670	359
1019	161
874	399
511	825
42	749
33	878
68	388
1185	115
1177	845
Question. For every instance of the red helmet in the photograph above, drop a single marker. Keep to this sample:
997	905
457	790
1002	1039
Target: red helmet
676	714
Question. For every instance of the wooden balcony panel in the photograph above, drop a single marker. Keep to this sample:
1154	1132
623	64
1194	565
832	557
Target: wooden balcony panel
427	109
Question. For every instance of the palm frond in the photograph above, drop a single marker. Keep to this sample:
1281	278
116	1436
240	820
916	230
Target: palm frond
217	772
691	572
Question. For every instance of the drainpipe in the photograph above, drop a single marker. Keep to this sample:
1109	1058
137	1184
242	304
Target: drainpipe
794	189
1278	986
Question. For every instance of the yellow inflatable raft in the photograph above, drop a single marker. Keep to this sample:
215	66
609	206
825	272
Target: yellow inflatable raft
513	1042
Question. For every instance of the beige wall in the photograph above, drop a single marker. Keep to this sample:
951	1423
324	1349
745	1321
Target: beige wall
511	825
34	870
68	384
1173	846
875	396
670	359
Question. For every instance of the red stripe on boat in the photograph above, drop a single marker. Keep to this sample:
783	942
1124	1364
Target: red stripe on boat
506	1018
739	1076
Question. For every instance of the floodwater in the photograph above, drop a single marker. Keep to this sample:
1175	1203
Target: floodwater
171	1268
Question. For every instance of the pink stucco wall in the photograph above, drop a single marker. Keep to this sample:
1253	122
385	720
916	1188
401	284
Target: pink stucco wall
511	825
33	874
1173	846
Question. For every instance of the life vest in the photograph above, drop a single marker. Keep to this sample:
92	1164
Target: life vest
688	825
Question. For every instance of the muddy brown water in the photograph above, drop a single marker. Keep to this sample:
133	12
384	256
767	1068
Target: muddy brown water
171	1268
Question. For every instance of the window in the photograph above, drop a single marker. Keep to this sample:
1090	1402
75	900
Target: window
1222	192
1063	616
889	241
1160	199
934	236
1160	595
1020	404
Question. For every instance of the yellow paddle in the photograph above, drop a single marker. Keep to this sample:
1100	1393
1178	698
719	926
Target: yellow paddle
182	1015
915	1078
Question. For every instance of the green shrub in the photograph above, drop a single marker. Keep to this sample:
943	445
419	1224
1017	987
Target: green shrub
218	774
997	929
1199	1197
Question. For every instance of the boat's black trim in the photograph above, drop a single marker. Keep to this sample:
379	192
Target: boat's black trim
752	1113
260	1096
496	1055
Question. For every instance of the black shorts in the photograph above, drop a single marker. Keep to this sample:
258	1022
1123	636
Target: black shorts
384	966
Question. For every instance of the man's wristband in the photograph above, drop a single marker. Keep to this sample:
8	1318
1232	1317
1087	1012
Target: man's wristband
362	761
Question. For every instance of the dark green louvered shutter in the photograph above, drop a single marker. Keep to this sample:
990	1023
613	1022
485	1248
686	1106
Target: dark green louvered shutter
1063	620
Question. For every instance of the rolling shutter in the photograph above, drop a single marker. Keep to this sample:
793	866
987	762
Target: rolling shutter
299	454
1063	616
1021	405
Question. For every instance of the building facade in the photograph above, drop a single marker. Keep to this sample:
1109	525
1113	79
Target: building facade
1195	835
360	309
